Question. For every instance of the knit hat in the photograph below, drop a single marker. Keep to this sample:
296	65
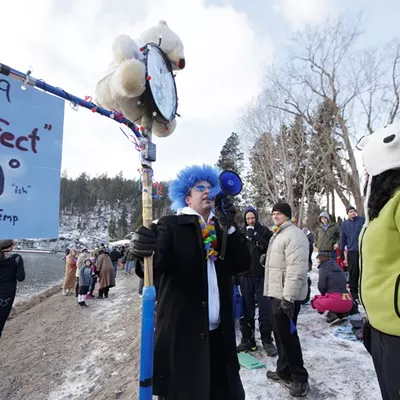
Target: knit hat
6	243
187	178
284	208
350	208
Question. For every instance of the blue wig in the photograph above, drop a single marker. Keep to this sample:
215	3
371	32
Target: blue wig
187	178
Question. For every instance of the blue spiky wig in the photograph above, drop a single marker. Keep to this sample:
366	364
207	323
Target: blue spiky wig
187	178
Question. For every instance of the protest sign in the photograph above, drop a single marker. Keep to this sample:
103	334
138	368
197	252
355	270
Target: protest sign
31	130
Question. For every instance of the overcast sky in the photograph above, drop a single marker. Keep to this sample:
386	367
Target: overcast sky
228	44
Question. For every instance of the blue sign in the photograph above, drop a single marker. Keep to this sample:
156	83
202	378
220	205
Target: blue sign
31	130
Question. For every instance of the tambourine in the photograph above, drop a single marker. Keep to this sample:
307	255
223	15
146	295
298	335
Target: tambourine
160	92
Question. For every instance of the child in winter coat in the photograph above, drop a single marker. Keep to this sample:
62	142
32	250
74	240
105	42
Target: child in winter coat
94	279
335	301
85	281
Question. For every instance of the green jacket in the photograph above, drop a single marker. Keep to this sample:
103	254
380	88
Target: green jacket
325	239
380	268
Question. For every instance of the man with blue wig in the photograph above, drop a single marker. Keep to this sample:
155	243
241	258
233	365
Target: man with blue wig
195	348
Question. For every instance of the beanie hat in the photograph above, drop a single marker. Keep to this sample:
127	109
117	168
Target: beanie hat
284	208
350	208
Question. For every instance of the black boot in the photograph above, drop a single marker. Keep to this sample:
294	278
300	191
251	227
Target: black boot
248	342
332	318
273	376
101	294
270	349
266	338
106	292
299	389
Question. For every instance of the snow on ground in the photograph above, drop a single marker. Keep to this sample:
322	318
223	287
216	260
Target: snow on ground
58	351
338	368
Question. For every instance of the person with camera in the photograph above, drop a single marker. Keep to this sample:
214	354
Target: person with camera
252	288
195	348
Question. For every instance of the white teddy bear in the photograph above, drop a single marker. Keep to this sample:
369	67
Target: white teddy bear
125	80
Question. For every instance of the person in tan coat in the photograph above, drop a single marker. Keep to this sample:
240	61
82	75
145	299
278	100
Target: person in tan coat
286	284
70	269
106	273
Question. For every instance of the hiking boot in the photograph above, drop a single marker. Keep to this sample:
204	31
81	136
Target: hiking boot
299	389
246	346
332	318
270	349
273	376
84	304
248	342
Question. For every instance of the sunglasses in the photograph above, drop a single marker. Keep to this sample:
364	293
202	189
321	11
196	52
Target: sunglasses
200	188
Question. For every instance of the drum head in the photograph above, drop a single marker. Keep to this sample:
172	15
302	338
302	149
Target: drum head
162	83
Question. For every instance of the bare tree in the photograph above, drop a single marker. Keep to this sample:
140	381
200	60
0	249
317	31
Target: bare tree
340	93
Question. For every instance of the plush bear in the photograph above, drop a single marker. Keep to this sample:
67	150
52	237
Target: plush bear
125	80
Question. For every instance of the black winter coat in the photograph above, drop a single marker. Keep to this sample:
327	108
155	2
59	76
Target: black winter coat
11	271
181	352
258	246
115	255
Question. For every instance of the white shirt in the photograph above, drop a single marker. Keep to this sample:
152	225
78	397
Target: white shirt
213	291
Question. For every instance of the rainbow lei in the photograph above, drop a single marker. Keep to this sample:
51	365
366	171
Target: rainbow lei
209	238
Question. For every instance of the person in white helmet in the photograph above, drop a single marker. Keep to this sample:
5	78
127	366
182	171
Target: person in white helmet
379	289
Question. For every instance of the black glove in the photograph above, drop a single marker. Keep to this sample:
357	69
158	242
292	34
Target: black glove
144	242
250	232
225	211
287	308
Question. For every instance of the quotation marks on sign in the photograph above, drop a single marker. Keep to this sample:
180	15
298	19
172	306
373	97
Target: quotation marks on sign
47	127
20	189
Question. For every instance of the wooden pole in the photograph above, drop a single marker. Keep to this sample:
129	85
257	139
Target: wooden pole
147	199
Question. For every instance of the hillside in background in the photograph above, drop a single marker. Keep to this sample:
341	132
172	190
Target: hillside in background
102	209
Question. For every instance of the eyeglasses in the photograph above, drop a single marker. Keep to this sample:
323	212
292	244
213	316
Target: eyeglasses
199	188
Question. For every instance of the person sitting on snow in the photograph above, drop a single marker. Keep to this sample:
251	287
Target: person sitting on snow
334	301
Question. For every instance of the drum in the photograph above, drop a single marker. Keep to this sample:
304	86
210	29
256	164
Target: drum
160	92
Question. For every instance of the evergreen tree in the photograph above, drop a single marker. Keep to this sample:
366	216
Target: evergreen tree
122	227
112	229
231	156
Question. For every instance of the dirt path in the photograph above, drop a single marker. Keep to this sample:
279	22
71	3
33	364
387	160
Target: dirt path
74	353
56	350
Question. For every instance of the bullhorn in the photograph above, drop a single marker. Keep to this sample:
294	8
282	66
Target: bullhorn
229	184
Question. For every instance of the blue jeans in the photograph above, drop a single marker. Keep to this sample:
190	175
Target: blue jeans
128	266
115	264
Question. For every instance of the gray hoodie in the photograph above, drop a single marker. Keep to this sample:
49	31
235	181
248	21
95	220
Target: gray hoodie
326	236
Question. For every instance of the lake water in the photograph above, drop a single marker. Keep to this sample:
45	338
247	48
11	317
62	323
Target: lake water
42	272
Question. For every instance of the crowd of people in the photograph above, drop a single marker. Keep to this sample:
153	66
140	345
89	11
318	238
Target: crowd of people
195	347
200	253
85	271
